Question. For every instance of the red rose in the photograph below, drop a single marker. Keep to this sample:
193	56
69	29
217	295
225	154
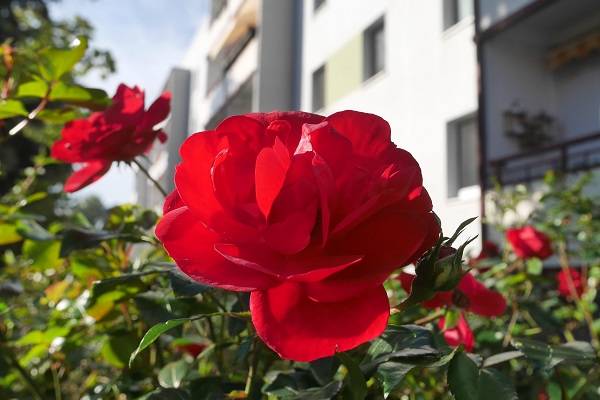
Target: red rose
119	133
528	242
470	295
310	214
563	283
459	334
193	349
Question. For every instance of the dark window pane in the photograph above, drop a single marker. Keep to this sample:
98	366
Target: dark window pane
216	6
374	49
456	10
318	89
467	148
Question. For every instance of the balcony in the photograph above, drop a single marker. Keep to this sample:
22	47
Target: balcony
571	156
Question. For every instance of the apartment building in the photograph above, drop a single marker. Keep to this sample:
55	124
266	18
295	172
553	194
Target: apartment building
472	88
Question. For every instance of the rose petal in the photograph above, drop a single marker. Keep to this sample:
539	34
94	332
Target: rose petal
271	169
482	301
370	134
88	174
293	214
127	107
388	240
172	201
300	329
157	112
304	268
191	245
460	334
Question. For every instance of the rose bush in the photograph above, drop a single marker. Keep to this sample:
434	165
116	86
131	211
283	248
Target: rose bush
310	214
120	133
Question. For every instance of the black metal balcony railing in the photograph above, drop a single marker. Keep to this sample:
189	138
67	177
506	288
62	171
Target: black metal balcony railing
570	156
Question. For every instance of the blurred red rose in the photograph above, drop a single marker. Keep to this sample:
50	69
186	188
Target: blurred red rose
310	214
119	133
563	283
459	334
528	242
193	349
488	250
470	295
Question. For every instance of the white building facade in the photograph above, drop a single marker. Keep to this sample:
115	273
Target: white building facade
448	75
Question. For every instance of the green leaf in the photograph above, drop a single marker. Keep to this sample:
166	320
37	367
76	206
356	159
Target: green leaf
154	333
502	357
550	356
12	108
173	374
463	377
35	89
127	283
78	238
182	285
59	61
326	392
167	394
468	382
459	230
534	266
32	230
58	115
117	348
324	369
356	383
79	95
495	386
42	255
9	234
391	374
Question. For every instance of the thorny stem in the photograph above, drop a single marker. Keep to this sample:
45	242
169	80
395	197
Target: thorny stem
33	114
150	178
253	366
56	383
511	325
429	318
564	264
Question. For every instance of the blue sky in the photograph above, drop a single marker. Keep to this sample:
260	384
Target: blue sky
146	39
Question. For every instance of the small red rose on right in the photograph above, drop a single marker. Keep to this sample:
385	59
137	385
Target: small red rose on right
562	278
528	242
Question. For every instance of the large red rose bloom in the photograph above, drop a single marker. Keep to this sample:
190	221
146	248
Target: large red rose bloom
528	242
310	214
120	133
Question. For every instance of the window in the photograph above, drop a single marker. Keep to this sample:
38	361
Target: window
318	89
455	11
374	49
462	155
317	4
216	6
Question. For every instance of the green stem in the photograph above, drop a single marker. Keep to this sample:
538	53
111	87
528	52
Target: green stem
56	384
150	178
